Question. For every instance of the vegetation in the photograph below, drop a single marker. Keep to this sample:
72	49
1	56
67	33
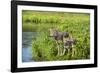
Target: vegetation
44	48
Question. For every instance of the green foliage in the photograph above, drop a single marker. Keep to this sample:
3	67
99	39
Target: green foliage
44	48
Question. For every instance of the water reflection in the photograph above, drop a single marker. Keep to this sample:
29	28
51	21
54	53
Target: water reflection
27	38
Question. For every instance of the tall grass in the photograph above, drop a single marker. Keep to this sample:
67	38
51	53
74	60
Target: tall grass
44	48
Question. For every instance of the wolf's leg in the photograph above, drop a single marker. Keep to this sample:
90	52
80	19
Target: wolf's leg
58	48
64	51
73	51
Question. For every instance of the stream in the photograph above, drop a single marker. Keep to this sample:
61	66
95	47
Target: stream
27	38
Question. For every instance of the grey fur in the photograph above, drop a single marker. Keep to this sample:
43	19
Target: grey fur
64	37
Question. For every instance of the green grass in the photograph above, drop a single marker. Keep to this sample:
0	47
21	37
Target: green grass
44	48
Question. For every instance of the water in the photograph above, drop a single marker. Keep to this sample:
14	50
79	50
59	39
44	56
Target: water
27	38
